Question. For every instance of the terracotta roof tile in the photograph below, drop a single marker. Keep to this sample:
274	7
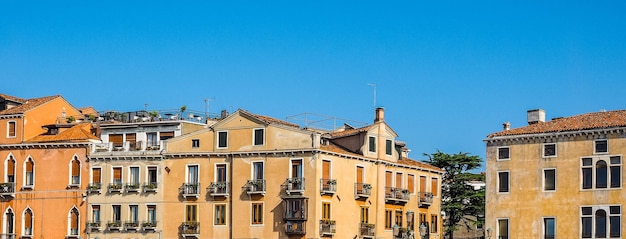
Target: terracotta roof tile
28	105
411	162
77	133
270	120
596	120
405	161
13	98
349	132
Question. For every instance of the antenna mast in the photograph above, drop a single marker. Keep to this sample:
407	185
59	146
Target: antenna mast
207	104
373	85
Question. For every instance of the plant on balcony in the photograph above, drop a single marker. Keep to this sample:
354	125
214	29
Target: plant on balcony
94	186
113	224
327	221
220	185
295	180
131	224
93	224
367	186
151	186
332	182
148	224
132	186
70	119
115	187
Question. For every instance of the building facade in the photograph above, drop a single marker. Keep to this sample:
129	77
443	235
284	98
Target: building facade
557	179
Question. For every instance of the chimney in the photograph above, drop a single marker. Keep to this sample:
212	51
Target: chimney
536	116
507	125
223	114
380	115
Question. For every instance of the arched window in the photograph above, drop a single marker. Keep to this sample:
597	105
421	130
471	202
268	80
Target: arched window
601	174
74	222
600	224
8	220
28	222
10	170
75	172
29	173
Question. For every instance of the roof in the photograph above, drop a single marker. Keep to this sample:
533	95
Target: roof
78	132
404	161
28	104
349	132
589	121
12	98
412	162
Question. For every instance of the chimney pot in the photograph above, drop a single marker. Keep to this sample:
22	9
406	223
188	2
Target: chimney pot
380	115
507	125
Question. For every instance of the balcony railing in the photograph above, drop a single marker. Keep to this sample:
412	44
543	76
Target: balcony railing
94	188
126	146
401	232
218	189
93	225
255	186
425	199
150	187
114	225
131	225
328	186
295	227
327	227
190	190
295	185
396	195
115	187
149	225
132	187
362	190
367	230
7	236
7	189
190	229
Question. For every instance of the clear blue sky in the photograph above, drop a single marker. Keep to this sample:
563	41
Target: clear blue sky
447	72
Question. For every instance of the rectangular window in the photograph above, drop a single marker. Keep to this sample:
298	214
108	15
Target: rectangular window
96	175
423	220
503	153
549	179
195	143
191	213
95	213
615	166
152	174
325	211
434	186
116	139
257	213
134	213
296	168
117	175
601	146
220	214
117	213
222	139
152	140
372	144
29	174
549	227
549	150
587	173
192	174
133	178
423	184
152	214
410	183
220	172
434	223
399	218
399	180
388	147
166	135
11	129
503	182
503	228
257	170
365	214
259	136
388	219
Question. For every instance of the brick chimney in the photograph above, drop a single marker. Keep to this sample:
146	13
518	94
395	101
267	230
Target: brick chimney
380	115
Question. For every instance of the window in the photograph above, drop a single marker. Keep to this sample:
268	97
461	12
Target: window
388	179
434	223
257	170
503	153
134	213
75	169
166	135
372	144
220	214
434	186
96	176
325	211
152	140
222	139
296	168
117	175
8	221
259	137
29	175
365	214
116	139
133	178
549	150
152	175
503	182
388	222
74	222
195	143
549	227
601	172
388	147
503	229
598	221
399	180
191	213
601	146
423	184
423	220
28	222
549	179
398	218
11	132
257	213
117	213
220	172
410	183
152	216
95	213
10	170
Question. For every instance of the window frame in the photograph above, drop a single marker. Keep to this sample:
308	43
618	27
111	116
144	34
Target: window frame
508	228
156	172
148	216
71	176
9	123
254	212
25	174
121	174
593	172
218	141
194	216
388	219
371	144
215	175
254	136
224	212
595	146
545	180
594	209
388	147
326	210
545	227
253	174
508	187
195	143
7	173
32	222
69	222
543	150
130	175
364	214
508	153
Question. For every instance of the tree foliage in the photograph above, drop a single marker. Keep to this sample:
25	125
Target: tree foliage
459	199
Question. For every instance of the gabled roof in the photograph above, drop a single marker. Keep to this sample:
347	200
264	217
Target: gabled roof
589	121
261	119
79	132
350	132
12	98
28	104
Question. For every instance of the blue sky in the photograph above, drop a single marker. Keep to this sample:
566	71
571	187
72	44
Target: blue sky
447	72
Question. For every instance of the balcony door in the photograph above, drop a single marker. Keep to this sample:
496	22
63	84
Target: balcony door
220	174
296	168
192	174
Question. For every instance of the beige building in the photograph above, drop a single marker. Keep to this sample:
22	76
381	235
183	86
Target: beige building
557	179
252	176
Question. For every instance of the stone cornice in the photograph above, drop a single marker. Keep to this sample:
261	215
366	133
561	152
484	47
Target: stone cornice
557	135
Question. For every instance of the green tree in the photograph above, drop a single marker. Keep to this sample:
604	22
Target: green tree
459	199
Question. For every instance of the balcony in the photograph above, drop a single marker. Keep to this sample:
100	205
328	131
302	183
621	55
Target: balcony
7	236
256	186
218	189
7	189
115	188
132	187
190	190
93	226
115	225
367	230
295	185
149	225
425	199
150	187
190	229
295	228
362	190
396	195
327	227
131	225
328	186
401	232
94	188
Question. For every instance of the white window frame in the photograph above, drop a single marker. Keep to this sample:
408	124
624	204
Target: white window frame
91	173
69	222
32	224
401	184
543	221
508	226
156	212
225	215
252	168
498	153
130	213
595	146
121	176
606	208
80	172
368	144
8	123
6	168
301	167
24	174
5	230
217	142
392	148
543	150
215	171
193	143
252	214
147	178
130	176
254	136
543	175
594	177
187	173
498	182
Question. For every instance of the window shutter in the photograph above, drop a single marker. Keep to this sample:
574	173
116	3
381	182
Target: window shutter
96	175
359	174
29	166
28	219
326	169
388	179
11	167
117	173
131	137
433	187
75	167
116	139
410	183
74	219
398	180
422	184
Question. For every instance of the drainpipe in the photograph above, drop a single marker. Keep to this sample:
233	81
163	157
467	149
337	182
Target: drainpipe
230	198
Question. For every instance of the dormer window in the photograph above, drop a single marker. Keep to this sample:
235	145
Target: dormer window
11	129
372	144
388	147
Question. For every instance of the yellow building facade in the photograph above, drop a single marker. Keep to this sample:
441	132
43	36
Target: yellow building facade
561	178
